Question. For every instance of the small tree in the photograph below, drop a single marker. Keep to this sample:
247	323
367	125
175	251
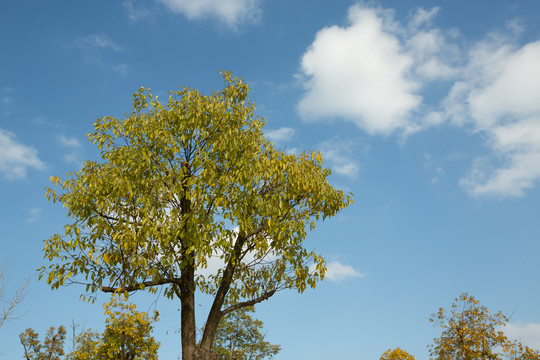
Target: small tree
239	337
175	182
51	349
396	354
469	332
127	335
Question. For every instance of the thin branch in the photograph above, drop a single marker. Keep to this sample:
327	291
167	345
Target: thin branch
12	303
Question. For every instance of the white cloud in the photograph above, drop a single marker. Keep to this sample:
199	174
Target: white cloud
360	73
373	71
69	141
527	334
502	102
280	135
512	85
16	158
336	271
337	155
230	12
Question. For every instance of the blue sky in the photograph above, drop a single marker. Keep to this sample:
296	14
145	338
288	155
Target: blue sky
427	111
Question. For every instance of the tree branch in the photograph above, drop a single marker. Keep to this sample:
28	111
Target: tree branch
12	303
252	302
109	289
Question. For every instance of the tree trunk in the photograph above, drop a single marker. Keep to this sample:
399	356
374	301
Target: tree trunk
187	283
187	313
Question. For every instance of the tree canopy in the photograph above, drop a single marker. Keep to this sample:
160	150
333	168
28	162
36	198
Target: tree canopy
127	335
396	354
179	184
238	337
471	332
52	347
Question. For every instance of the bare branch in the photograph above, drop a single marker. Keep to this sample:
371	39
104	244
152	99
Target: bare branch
12	302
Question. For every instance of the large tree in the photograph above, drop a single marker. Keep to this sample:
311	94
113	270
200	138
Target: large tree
180	183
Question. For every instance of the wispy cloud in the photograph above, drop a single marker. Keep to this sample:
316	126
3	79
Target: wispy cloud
74	146
431	165
230	12
528	334
337	272
34	215
338	156
7	100
16	158
97	41
121	69
68	141
280	135
136	12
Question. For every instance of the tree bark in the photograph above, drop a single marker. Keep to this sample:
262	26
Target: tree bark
215	314
187	313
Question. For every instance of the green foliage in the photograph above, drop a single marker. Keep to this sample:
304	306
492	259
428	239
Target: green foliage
396	354
239	337
173	183
51	349
127	335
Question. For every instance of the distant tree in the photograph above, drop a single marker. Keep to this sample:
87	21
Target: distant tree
238	337
10	303
517	351
396	354
127	335
175	181
470	332
51	349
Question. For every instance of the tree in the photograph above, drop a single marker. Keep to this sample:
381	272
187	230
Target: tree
238	337
10	303
127	335
51	349
517	351
469	332
179	184
396	354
